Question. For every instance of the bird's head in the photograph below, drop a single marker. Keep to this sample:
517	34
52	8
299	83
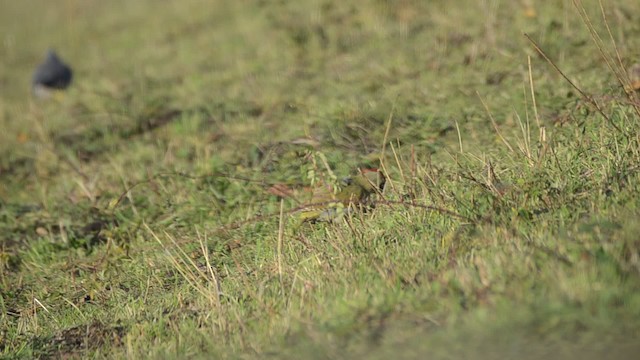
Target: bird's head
372	179
52	56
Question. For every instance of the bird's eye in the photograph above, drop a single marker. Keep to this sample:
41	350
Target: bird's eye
347	181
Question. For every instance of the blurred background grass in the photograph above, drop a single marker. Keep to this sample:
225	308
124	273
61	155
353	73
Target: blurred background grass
254	90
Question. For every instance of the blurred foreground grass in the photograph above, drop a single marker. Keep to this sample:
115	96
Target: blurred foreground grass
207	105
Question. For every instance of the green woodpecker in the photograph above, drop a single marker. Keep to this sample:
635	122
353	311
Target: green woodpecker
329	204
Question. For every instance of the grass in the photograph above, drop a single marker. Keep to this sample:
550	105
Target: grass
138	216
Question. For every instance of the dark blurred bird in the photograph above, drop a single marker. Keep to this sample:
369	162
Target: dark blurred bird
52	74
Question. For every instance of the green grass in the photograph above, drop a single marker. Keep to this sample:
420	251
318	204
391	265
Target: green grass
491	241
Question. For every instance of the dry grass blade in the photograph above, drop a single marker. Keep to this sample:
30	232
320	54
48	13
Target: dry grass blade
598	40
280	240
533	93
585	97
493	122
387	129
212	272
189	270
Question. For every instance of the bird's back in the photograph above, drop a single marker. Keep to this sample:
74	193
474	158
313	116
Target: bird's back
52	73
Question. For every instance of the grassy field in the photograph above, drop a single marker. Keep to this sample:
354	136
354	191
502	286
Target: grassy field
142	211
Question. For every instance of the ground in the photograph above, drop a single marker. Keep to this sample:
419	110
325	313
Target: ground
152	210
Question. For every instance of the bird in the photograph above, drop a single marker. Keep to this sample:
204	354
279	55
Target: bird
52	74
329	204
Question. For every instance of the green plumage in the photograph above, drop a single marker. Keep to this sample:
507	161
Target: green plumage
330	204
